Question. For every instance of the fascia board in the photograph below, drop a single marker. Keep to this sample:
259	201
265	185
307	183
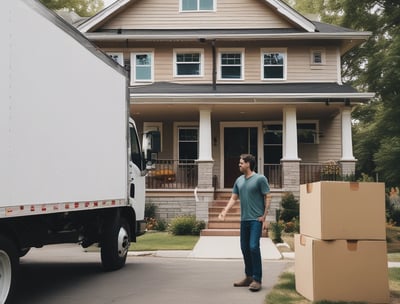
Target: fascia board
297	96
292	15
308	36
100	16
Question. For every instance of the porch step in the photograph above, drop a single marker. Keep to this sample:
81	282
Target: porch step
220	232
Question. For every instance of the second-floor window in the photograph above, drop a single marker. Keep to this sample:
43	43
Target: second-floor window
274	64
231	64
142	67
118	57
188	63
197	5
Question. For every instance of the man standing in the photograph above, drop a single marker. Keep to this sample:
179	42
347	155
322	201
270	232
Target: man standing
254	193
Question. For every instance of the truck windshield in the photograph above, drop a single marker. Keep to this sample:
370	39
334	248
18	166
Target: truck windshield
135	149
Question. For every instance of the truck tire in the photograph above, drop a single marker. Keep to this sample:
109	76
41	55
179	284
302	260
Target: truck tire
115	244
9	262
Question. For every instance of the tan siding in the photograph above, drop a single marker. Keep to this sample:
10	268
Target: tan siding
330	146
299	69
161	14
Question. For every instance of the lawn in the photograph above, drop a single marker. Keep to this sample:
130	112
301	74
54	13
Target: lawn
285	291
152	241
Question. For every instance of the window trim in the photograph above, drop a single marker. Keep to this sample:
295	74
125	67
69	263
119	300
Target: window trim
133	66
198	10
264	51
242	63
187	51
179	125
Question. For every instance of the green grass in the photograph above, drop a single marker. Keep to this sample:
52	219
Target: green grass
151	241
285	290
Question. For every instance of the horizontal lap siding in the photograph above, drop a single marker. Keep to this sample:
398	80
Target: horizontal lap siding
162	14
330	144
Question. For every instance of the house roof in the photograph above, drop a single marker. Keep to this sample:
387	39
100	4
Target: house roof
308	91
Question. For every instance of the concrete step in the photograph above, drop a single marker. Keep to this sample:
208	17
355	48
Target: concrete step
220	232
224	225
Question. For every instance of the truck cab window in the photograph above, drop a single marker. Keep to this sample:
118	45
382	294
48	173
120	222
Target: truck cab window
135	150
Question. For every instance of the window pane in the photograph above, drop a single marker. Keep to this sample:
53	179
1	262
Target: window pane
231	72
273	134
143	59
206	5
188	150
231	58
143	73
194	57
306	133
188	135
189	5
273	58
317	57
273	72
188	69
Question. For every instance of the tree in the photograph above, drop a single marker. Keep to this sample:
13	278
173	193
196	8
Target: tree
84	8
374	66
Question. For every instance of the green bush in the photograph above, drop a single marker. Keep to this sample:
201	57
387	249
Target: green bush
161	225
290	207
150	210
186	225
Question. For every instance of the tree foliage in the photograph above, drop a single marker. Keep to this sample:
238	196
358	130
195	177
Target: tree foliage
84	8
373	67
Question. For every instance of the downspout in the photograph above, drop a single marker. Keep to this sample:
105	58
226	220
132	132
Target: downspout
214	67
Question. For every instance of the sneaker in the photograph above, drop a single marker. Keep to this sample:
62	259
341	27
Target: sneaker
255	286
244	283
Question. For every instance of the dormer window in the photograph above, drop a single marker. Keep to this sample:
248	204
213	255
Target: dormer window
197	5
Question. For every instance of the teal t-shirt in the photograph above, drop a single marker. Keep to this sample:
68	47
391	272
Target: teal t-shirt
251	193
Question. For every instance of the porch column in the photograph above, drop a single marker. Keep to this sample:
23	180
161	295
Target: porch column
205	138
204	192
290	160
348	162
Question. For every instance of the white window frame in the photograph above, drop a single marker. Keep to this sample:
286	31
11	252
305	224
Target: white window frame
198	7
285	62
117	56
180	125
317	65
240	51
133	66
188	51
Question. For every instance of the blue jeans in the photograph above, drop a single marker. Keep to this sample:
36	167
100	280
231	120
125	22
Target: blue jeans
250	233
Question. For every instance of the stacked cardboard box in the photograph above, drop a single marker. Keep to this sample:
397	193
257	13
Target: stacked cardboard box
341	250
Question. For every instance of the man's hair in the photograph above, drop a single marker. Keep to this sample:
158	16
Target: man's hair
248	158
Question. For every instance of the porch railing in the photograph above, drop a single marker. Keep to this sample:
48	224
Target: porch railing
172	174
182	174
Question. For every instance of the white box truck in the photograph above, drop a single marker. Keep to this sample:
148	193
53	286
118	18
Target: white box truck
71	166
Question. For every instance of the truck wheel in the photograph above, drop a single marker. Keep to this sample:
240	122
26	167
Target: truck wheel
115	244
9	262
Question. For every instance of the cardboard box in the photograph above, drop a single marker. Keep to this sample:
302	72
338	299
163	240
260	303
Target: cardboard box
341	270
343	210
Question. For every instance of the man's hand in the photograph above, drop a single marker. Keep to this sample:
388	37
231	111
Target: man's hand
222	215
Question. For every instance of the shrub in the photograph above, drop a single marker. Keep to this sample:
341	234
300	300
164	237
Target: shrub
290	207
186	225
161	225
150	210
276	230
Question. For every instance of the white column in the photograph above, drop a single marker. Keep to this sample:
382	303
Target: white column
289	144
205	139
347	141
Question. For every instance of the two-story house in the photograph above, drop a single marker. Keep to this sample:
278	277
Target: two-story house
220	78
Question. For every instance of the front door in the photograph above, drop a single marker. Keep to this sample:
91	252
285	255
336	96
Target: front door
237	141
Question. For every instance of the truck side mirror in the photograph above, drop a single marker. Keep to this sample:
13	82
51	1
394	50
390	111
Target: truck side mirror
151	144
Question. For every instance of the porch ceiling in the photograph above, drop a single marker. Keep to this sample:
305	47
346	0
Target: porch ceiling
230	112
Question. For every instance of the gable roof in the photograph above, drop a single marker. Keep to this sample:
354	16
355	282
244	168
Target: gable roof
119	5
